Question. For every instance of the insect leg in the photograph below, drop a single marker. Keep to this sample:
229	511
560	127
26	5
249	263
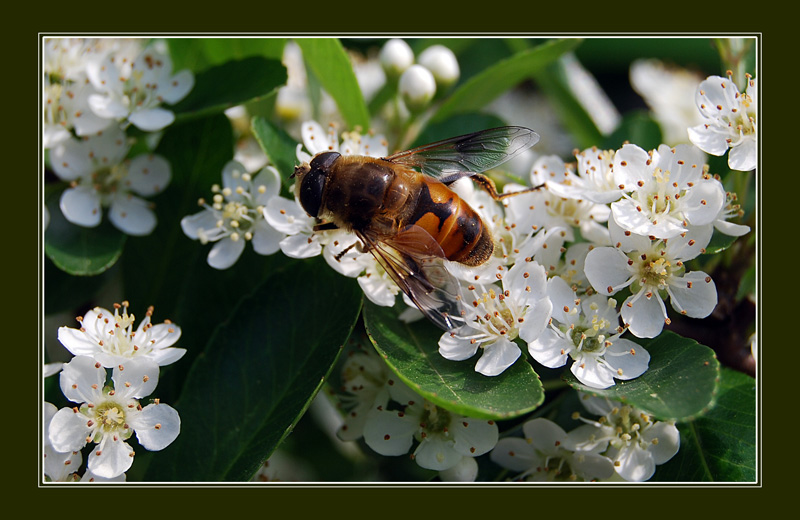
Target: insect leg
488	185
344	251
325	226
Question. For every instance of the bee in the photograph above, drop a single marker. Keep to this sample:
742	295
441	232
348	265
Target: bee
405	214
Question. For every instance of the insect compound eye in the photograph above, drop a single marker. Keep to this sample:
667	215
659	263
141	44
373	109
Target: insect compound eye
324	160
313	183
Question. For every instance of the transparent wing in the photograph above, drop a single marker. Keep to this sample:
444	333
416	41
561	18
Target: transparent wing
414	260
468	154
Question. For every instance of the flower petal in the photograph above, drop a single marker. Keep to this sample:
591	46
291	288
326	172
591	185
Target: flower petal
668	441
515	454
627	359
157	426
743	157
436	453
68	431
81	206
473	437
536	319
708	139
645	316
693	294
497	357
151	119
390	433
301	246
135	378
132	215
203	223
607	269
178	87
465	470
458	347
82	379
703	202
267	184
225	253
550	349
77	342
287	216
635	464
148	174
266	239
544	435
111	458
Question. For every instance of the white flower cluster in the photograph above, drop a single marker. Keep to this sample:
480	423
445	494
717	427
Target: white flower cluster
614	220
93	90
623	443
391	418
108	414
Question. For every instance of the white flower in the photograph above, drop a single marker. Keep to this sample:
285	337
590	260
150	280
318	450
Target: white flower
134	90
587	330
494	318
442	63
100	177
66	107
669	92
109	416
417	87
628	436
654	270
236	215
300	240
730	210
68	58
110	339
58	466
316	139
667	190
593	179
396	56
376	283
549	210
444	437
571	268
541	456
367	387
730	121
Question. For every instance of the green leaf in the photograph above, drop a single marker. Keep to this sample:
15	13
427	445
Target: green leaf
169	270
330	64
680	383
278	145
229	84
258	374
78	250
412	352
198	54
721	445
636	127
719	242
482	88
64	292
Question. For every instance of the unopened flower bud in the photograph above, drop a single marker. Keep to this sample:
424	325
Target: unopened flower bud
396	56
417	87
442	63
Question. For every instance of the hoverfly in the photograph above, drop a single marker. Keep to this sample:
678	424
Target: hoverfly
405	214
